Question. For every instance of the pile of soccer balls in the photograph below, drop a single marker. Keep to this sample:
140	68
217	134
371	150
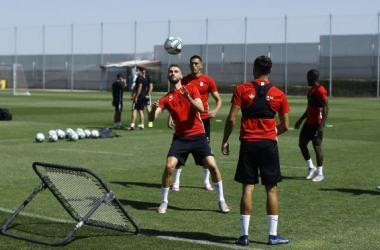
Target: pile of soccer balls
70	134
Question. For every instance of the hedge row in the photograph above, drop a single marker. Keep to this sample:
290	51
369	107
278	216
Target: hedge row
340	87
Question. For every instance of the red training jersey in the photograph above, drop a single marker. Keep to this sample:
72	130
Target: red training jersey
205	86
188	121
256	129
314	114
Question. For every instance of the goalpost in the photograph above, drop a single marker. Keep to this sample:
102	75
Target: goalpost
13	80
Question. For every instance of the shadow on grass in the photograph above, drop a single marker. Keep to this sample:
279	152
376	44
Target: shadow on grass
142	205
196	236
351	191
293	178
141	184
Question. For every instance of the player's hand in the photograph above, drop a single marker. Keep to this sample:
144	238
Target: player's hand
113	104
226	148
211	114
185	93
132	97
298	124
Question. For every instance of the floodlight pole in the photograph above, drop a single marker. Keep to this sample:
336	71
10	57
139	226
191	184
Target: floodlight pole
206	46
378	53
330	81
286	55
15	44
245	49
72	57
168	53
43	57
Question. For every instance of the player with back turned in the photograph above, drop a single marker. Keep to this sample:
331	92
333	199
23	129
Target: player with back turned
259	102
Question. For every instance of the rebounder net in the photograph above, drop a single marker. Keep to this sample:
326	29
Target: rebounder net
85	197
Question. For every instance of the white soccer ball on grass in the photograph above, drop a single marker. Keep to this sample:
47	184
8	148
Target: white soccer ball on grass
95	134
39	137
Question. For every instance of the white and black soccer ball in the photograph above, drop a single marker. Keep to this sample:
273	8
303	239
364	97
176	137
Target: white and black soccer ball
52	131
73	136
53	137
69	131
39	137
173	45
95	134
61	134
87	133
81	134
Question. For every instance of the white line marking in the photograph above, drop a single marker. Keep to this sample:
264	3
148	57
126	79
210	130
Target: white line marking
93	152
201	242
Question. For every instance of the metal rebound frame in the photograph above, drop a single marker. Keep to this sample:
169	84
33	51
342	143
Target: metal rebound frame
100	208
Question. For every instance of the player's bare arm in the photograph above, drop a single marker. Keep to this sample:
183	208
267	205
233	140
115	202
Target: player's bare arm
299	122
229	127
324	116
218	100
284	123
155	112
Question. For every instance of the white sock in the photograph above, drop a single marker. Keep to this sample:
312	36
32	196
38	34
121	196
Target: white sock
142	125
219	190
272	224
164	195
177	174
132	125
206	177
244	224
320	168
310	163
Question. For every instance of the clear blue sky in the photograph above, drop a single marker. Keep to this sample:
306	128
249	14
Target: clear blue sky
30	14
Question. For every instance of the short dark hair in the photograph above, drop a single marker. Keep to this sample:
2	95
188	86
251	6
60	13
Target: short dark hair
313	74
140	68
195	57
120	75
263	64
175	65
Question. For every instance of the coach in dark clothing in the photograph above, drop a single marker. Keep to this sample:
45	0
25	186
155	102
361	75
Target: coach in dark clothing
117	94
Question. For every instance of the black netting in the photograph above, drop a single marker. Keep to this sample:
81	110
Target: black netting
79	192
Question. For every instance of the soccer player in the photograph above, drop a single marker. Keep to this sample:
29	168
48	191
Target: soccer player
117	98
259	102
312	130
185	105
139	100
206	86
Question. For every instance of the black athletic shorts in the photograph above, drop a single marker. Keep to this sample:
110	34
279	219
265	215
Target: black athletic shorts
140	104
118	105
206	125
310	131
196	145
258	155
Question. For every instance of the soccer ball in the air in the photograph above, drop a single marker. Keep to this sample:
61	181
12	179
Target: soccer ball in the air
95	134
173	45
39	137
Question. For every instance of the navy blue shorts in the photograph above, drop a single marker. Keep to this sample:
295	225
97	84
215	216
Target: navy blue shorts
258	155
196	145
310	131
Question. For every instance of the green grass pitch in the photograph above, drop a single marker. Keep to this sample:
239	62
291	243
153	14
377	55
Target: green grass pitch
342	212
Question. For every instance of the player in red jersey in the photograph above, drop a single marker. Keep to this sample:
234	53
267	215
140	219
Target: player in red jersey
259	102
312	130
185	105
206	86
